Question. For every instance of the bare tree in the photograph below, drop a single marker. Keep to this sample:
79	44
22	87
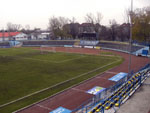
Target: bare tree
98	18
27	27
56	26
63	21
53	23
90	18
17	27
13	27
73	20
113	29
9	26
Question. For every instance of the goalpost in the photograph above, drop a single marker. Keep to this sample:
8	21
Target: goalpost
47	48
69	49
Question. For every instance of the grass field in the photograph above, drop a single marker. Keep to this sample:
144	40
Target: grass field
24	71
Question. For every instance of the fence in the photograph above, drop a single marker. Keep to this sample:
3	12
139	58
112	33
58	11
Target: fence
97	98
86	106
141	43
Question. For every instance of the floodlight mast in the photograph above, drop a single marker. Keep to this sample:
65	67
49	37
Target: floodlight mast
130	40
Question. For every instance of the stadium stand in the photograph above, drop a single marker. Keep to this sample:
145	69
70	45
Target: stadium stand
116	46
123	93
142	51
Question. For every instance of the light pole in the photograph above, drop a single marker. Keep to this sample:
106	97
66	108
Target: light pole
130	40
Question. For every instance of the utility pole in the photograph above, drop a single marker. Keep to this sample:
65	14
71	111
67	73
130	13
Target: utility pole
130	40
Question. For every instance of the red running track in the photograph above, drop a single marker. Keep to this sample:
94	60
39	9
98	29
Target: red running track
74	97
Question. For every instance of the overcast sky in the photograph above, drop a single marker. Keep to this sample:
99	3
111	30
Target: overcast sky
37	12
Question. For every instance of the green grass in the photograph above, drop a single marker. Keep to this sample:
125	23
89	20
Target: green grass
107	53
25	70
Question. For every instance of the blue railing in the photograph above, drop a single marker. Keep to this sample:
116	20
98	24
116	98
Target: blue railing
86	106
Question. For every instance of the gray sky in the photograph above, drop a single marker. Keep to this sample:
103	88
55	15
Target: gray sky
37	12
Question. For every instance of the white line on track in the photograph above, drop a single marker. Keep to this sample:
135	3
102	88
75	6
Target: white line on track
111	72
101	77
78	90
43	107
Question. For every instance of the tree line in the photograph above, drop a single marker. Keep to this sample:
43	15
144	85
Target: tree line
62	27
141	24
65	28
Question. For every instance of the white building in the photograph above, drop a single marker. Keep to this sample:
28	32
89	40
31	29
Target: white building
20	36
40	36
7	36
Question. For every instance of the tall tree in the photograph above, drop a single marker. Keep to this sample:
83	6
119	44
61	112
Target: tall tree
141	24
91	18
56	26
98	18
113	29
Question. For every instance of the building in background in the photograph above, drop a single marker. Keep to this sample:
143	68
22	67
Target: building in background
8	36
39	36
89	31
